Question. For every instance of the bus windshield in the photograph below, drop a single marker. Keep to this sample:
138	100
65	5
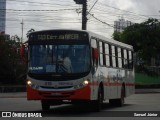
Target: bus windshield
57	59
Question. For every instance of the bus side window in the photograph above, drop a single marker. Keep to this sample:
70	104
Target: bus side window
110	55
122	55
113	56
125	58
101	53
104	55
119	58
116	56
107	54
130	60
94	45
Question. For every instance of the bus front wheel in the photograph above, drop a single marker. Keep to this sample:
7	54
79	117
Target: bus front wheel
120	101
98	103
45	105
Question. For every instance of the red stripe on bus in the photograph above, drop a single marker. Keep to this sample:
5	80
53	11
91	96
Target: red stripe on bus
130	84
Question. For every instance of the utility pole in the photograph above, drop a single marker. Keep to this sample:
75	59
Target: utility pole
22	23
84	12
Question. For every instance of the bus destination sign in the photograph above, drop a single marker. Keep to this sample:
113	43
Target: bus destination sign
58	37
42	36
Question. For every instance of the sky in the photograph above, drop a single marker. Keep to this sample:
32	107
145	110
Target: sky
66	14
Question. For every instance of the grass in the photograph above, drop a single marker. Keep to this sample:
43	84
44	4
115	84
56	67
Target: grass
143	79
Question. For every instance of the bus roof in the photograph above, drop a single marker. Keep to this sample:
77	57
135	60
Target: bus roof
112	41
94	35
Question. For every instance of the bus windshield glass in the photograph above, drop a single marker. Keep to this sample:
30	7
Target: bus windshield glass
57	59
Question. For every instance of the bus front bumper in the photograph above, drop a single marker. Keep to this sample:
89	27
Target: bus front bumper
79	94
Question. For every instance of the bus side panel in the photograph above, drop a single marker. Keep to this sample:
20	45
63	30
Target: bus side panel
100	76
129	83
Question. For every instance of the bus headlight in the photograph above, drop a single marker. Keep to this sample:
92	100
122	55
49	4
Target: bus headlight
86	82
33	86
29	82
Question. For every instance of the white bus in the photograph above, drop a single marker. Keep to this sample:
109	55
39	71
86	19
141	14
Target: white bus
76	66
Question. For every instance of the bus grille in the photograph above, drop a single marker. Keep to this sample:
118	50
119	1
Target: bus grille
62	87
51	95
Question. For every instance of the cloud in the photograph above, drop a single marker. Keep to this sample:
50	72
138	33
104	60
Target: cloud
124	4
103	10
147	7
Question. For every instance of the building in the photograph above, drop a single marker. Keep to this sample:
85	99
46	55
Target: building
121	24
2	16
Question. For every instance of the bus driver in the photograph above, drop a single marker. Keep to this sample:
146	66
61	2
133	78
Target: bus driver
65	64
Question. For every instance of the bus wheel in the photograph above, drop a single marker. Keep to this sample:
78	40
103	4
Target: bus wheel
98	103
45	105
120	101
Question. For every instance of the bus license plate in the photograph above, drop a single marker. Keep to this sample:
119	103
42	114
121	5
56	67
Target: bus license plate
56	94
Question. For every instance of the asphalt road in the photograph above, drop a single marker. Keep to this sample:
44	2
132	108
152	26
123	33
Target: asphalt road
135	104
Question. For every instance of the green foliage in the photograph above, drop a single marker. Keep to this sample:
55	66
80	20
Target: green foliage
11	65
144	37
144	79
116	36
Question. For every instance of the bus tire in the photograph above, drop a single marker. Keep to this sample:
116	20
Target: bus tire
112	102
45	105
98	103
120	101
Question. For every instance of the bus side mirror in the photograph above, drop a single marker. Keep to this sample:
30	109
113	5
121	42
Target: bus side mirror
22	51
95	53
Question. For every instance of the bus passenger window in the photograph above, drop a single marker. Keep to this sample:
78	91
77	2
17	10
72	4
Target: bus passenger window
122	55
107	54
94	45
116	56
119	58
104	56
130	60
101	59
110	55
113	56
125	59
101	53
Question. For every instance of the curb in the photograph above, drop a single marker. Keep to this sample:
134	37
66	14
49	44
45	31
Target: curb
147	91
6	89
152	86
14	97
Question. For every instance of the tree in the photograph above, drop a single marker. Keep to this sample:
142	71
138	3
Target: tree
116	36
29	31
144	37
11	65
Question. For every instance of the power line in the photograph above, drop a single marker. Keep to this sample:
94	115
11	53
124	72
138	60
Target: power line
45	5
34	10
101	20
93	6
41	3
